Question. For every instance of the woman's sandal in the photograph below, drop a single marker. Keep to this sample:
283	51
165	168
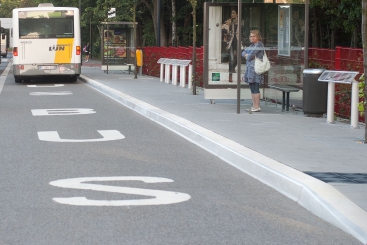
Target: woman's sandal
255	109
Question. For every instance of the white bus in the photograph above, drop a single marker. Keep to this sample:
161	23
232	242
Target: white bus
46	42
4	45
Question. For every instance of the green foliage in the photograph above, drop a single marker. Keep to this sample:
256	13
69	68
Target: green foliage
362	102
341	17
148	36
6	8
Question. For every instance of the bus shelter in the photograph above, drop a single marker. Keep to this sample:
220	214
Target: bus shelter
282	27
117	45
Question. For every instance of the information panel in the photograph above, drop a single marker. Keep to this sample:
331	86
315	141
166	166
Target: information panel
346	77
284	30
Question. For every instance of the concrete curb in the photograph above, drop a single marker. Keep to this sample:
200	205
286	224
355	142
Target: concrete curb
316	196
4	76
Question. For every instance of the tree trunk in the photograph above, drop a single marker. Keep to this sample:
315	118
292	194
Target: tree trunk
174	37
364	41
314	30
321	34
164	39
154	13
355	37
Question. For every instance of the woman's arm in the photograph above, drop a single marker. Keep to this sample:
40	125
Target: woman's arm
256	50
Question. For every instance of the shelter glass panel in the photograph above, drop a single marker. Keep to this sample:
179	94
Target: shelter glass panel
118	45
284	46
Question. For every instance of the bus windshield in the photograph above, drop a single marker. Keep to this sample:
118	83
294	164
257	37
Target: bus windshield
46	24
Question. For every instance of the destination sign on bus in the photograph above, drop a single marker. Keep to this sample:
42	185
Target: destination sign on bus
45	14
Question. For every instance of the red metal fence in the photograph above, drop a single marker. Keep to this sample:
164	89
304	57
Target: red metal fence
153	54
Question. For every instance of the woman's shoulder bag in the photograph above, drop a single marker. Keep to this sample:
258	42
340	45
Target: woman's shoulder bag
262	66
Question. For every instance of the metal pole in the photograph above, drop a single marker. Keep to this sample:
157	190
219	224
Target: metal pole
80	28
307	20
330	102
134	38
90	35
239	53
1	34
108	51
354	105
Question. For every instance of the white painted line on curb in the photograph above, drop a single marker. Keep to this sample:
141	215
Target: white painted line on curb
3	76
316	196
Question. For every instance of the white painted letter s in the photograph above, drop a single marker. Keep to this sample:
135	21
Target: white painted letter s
160	197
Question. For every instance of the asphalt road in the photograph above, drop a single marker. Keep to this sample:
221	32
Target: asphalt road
137	182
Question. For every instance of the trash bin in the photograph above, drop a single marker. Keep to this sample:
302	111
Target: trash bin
314	93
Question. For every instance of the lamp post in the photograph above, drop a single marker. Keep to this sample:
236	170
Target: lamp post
134	25
307	20
90	34
239	53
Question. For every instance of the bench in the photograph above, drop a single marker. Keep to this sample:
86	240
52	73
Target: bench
285	89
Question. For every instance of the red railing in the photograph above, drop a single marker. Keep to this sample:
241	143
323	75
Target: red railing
153	54
319	57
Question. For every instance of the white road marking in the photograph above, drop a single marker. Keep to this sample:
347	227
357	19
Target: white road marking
45	86
51	93
62	111
53	136
160	197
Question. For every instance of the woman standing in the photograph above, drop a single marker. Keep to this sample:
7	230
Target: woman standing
256	49
232	32
87	52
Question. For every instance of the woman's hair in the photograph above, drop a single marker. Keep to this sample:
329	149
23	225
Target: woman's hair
257	34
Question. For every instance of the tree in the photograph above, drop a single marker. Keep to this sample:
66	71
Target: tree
364	33
335	23
152	5
174	35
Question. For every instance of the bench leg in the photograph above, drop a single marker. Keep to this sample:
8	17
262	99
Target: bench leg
283	101
287	108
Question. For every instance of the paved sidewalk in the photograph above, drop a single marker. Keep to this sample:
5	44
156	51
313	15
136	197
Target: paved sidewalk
321	166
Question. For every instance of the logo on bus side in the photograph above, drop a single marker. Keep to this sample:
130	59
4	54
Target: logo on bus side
57	48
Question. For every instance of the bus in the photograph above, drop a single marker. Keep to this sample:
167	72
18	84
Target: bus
46	43
4	45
